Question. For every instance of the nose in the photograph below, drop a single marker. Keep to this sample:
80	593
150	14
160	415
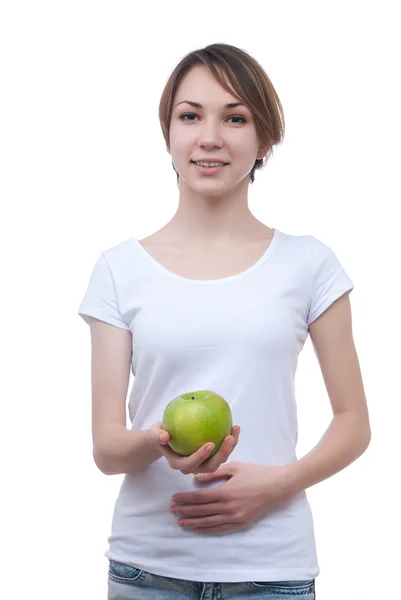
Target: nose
209	135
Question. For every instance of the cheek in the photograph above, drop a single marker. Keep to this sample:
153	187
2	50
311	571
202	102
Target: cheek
248	144
180	142
242	144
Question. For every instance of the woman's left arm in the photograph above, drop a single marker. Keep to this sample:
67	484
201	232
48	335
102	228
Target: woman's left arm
348	434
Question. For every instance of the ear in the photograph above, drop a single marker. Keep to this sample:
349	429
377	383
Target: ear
168	149
262	152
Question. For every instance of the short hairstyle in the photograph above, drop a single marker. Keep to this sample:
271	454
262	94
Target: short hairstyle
242	76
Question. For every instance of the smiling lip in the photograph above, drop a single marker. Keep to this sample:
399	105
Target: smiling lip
208	170
210	160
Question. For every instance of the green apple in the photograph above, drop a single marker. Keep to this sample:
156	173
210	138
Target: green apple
195	418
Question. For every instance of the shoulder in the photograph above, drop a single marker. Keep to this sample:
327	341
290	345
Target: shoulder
119	255
298	245
306	245
119	249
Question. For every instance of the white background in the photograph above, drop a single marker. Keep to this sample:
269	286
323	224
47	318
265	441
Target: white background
84	167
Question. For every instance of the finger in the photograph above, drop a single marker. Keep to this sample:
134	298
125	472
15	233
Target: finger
202	454
198	510
191	464
187	464
210	521
155	430
158	434
221	456
164	437
233	439
235	432
228	445
173	458
200	497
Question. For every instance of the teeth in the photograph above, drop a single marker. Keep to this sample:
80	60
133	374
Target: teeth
209	164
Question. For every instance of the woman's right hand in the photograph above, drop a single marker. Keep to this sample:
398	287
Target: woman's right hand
195	463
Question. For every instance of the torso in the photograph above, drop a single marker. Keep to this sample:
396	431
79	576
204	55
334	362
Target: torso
215	263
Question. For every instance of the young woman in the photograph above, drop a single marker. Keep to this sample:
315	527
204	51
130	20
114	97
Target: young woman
216	300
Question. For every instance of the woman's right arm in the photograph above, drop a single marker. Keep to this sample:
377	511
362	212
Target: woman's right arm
116	449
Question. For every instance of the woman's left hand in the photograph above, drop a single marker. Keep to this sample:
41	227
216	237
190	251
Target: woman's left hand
244	498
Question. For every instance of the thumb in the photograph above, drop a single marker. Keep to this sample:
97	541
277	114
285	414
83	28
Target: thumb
223	471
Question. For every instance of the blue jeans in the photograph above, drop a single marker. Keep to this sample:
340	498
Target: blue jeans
129	583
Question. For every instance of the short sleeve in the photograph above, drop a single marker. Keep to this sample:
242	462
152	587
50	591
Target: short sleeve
100	300
328	279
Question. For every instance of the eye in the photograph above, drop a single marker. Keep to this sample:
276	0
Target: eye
243	120
238	117
187	115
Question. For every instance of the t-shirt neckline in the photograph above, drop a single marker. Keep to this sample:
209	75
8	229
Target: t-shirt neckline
265	256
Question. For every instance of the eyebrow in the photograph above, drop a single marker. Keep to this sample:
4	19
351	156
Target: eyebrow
197	105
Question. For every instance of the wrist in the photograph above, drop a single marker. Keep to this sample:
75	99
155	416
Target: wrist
288	480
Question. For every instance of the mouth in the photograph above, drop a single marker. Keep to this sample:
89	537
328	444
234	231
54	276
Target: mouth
209	170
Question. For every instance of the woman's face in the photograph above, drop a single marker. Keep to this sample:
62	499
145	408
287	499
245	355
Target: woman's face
211	132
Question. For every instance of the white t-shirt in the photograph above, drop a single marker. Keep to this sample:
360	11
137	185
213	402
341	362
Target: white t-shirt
239	336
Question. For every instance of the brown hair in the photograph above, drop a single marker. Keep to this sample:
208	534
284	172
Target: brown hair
250	84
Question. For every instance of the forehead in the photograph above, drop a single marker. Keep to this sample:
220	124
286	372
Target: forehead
200	85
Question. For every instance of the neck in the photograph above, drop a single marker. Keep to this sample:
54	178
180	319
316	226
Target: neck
213	218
